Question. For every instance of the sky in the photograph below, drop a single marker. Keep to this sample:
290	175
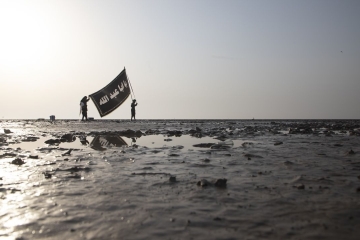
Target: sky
186	59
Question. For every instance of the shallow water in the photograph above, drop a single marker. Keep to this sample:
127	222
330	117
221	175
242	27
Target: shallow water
304	188
151	141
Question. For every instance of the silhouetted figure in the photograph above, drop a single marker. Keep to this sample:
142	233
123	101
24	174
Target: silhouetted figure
83	105
133	105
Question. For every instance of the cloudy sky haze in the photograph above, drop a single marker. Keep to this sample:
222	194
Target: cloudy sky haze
185	59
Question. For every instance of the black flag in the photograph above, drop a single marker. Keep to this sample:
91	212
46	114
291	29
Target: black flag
101	142
113	95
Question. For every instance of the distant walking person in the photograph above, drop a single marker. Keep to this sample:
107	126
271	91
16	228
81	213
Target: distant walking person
83	107
133	105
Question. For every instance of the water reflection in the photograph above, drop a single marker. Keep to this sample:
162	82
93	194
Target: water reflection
83	140
102	142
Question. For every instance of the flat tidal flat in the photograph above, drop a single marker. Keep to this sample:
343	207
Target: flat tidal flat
180	179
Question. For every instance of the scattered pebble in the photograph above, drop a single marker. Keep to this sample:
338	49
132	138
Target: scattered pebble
174	155
172	179
221	183
18	161
203	183
7	131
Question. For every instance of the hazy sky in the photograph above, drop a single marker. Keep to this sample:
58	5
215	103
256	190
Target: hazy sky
186	59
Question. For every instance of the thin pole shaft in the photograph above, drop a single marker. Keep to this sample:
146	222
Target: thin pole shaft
130	86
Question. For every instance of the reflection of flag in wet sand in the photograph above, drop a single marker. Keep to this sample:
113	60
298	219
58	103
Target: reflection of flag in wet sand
101	142
113	95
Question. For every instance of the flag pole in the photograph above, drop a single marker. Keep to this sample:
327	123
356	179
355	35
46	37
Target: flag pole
130	86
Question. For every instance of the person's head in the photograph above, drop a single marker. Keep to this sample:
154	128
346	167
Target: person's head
134	100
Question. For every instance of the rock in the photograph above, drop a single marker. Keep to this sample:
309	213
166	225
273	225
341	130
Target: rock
8	155
351	152
178	147
278	143
221	183
67	138
18	161
174	155
301	186
47	175
167	139
138	133
150	132
30	139
174	133
131	133
203	145
34	156
203	183
172	179
53	141
206	160
7	131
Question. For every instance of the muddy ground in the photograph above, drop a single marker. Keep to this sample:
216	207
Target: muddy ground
180	179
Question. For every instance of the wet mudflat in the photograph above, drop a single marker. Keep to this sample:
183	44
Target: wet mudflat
179	179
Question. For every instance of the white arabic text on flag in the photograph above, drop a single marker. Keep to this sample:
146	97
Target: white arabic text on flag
113	95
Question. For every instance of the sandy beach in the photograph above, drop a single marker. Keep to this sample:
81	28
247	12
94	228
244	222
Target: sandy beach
180	179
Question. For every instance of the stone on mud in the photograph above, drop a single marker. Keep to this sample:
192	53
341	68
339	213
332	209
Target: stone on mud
7	131
221	182
18	161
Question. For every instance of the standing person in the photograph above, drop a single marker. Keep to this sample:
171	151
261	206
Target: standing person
133	105
83	106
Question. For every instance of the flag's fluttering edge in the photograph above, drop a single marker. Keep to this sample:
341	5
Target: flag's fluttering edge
113	95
